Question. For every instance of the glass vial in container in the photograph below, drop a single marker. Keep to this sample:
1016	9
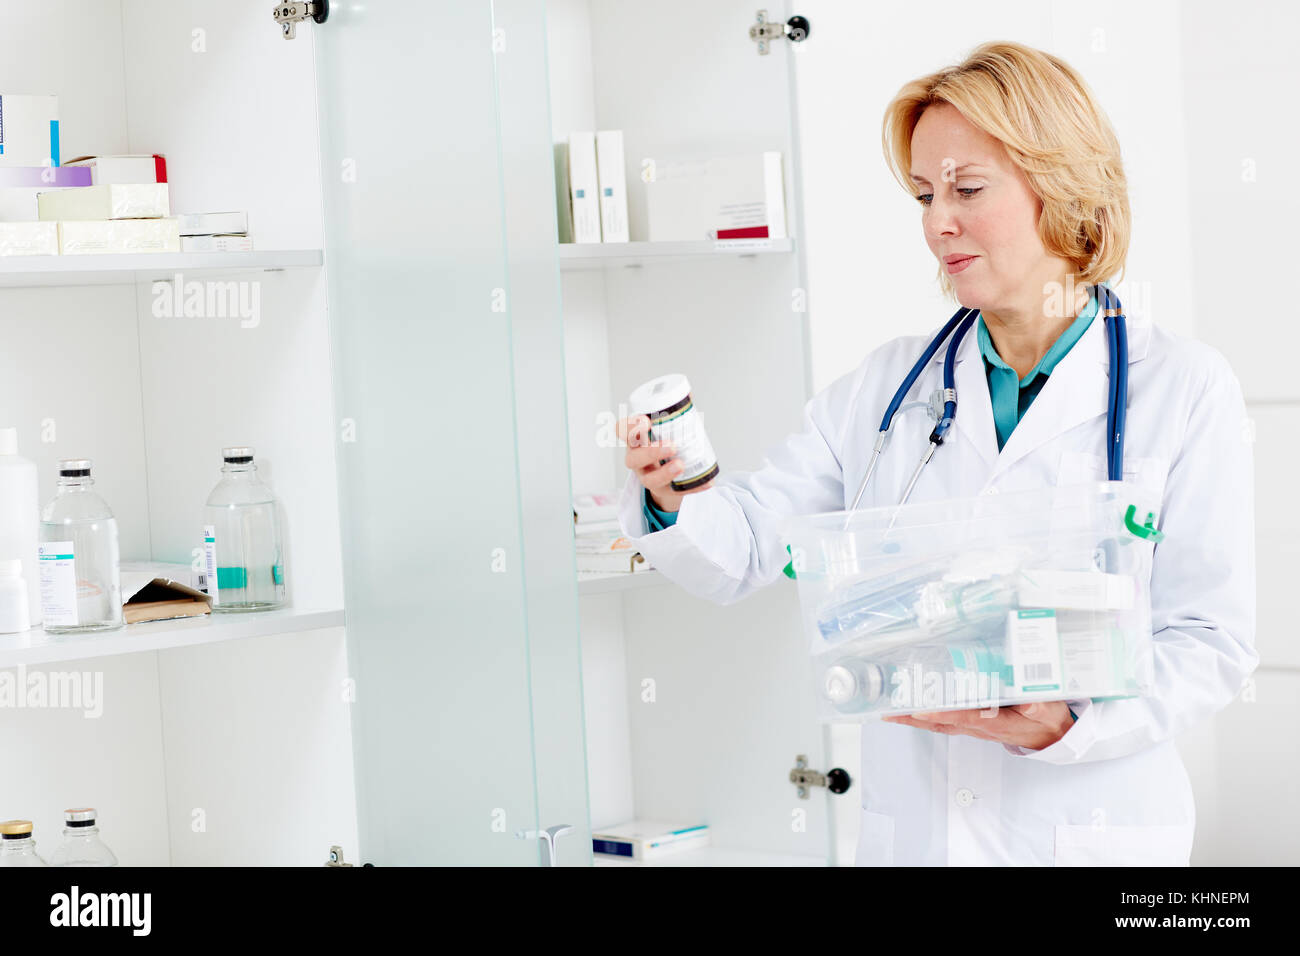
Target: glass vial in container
241	535
674	419
78	556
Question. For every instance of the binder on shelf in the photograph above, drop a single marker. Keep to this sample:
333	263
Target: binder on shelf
612	178
583	187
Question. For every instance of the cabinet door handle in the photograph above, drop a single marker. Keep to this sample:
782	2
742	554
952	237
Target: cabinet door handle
548	836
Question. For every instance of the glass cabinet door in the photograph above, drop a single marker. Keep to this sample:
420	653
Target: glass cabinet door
459	576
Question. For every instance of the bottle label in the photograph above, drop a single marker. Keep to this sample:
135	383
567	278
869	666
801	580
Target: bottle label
683	428
1034	650
58	568
210	562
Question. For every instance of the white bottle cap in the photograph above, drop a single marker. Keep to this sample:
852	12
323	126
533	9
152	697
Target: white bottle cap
8	441
659	393
11	568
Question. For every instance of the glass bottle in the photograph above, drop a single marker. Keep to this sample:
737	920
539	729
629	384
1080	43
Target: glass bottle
79	560
918	677
17	848
81	844
245	564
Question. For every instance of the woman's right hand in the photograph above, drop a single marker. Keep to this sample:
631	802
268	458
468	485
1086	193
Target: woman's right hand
654	463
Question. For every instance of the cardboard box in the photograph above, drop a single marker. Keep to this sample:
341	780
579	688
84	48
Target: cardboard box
216	244
29	130
213	223
29	239
154	592
111	170
99	236
730	198
115	201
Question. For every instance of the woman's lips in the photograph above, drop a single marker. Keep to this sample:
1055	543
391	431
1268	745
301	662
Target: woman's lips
959	265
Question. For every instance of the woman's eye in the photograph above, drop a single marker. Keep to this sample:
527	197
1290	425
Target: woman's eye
967	191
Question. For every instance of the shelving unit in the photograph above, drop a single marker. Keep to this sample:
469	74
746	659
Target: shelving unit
34	646
595	582
38	271
715	741
614	255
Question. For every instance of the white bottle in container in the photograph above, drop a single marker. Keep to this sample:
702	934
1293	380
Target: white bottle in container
674	419
20	511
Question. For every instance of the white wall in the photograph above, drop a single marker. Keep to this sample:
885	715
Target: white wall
1196	96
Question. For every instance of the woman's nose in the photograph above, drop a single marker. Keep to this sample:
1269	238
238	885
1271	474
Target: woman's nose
941	219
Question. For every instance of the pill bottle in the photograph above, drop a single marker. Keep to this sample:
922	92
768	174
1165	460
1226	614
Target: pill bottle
675	420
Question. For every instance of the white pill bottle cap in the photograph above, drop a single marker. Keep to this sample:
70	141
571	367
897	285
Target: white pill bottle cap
659	394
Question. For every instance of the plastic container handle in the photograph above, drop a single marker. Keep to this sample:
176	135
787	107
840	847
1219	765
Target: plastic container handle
1147	530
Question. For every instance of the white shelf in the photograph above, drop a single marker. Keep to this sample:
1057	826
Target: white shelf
713	856
595	582
18	271
613	255
34	646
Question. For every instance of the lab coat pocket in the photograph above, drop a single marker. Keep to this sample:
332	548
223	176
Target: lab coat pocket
1158	845
875	840
1078	467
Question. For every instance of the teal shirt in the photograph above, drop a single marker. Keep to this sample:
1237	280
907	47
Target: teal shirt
1011	395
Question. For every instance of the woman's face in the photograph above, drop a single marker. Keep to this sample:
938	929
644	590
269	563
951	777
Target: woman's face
976	202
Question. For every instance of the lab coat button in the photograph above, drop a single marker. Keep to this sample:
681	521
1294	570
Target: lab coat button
964	797
990	491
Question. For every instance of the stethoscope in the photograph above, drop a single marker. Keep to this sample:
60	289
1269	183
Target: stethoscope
1108	304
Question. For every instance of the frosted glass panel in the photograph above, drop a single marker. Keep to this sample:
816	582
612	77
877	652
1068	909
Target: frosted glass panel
425	396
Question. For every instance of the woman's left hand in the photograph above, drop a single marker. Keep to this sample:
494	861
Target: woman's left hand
1032	726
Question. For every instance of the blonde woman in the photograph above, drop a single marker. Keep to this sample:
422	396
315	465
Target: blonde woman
1023	203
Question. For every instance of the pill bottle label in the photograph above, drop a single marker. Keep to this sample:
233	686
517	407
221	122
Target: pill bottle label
58	568
681	426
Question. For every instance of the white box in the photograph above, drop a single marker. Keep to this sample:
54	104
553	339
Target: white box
583	187
728	198
216	244
612	177
114	201
110	170
18	203
29	130
98	236
29	239
213	223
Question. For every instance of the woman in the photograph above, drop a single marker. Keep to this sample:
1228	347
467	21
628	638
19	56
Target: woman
1024	203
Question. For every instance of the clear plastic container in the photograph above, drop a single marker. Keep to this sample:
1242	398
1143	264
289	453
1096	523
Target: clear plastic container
17	848
978	602
78	555
81	844
244	555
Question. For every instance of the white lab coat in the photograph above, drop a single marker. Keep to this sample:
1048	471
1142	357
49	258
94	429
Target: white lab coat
1113	790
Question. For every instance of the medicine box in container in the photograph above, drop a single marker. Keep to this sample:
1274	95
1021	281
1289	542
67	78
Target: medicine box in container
980	602
29	130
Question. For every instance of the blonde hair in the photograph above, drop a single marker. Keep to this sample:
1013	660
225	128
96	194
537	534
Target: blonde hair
1051	126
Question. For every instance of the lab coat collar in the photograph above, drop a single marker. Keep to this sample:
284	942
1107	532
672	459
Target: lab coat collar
1073	394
